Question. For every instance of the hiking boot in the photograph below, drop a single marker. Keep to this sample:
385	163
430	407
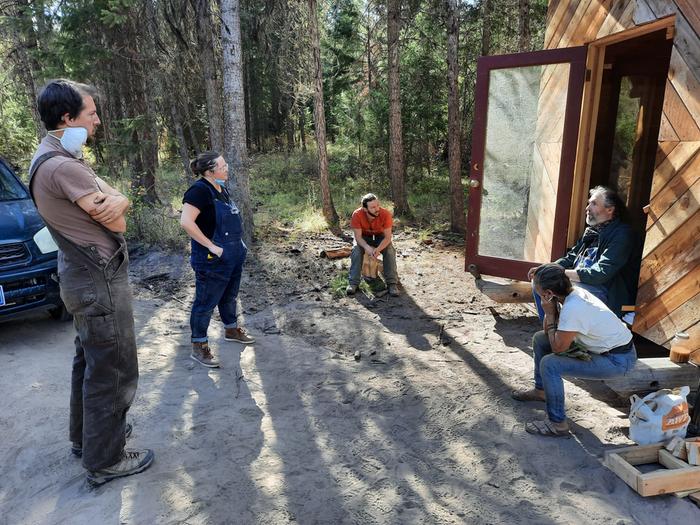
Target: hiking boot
77	448
238	335
394	290
131	462
202	354
351	289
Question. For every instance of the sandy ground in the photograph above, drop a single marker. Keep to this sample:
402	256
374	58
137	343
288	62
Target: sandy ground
424	431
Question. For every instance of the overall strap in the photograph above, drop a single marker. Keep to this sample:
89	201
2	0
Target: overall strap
38	162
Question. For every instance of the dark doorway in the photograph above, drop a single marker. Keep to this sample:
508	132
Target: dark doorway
628	120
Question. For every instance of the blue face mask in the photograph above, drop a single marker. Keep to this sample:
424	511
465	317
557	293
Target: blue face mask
220	182
73	140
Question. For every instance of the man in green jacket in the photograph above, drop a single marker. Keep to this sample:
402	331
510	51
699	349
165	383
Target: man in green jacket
605	260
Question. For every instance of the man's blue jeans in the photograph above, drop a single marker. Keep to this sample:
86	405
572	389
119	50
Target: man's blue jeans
551	368
388	261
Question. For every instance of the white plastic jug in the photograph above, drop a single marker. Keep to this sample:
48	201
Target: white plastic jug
659	416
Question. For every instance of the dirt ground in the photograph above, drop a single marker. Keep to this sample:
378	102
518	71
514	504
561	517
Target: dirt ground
294	429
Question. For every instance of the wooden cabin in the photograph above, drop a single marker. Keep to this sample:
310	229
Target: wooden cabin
613	99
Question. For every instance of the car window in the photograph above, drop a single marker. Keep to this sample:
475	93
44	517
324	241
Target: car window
10	187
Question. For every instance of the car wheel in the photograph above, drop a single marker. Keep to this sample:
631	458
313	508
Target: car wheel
61	314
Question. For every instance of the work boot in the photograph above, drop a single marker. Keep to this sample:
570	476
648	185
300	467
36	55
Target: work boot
351	289
238	335
77	448
131	462
394	290
202	354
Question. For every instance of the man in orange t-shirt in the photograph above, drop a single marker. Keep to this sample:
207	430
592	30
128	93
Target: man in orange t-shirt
371	225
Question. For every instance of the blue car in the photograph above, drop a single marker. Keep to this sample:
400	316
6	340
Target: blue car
28	253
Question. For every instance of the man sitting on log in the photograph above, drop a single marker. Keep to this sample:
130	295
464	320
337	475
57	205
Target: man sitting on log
371	224
605	260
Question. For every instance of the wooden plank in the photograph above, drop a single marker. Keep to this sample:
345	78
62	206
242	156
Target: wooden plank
565	14
666	131
594	24
676	160
676	216
611	25
623	469
685	264
555	12
669	461
686	286
664	150
678	115
643	13
672	248
686	38
691	12
695	497
676	187
573	31
505	290
652	374
637	454
685	82
667	481
679	320
694	333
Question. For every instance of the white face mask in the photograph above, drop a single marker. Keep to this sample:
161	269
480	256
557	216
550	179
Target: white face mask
73	140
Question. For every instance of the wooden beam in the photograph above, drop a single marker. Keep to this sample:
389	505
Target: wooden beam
652	374
667	481
643	29
623	469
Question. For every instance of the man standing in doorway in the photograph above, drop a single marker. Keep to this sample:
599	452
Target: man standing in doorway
371	225
86	218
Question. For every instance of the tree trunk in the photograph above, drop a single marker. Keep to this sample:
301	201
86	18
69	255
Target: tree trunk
320	123
205	45
485	27
523	25
397	168
302	127
234	112
457	219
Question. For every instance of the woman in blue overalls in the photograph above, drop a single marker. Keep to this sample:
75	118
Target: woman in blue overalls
213	222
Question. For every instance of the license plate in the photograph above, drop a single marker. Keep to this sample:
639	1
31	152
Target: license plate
2	297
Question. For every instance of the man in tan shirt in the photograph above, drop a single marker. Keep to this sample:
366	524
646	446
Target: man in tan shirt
86	218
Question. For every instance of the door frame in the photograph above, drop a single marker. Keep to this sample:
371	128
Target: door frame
595	66
576	57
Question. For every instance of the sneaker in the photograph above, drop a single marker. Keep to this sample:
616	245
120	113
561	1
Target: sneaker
238	335
131	462
77	448
202	354
351	289
394	290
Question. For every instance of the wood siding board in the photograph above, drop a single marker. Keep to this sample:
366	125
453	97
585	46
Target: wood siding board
571	36
684	288
674	218
685	263
594	24
566	13
674	163
666	131
612	24
691	11
677	186
686	83
694	334
662	8
643	13
678	116
673	247
680	319
664	150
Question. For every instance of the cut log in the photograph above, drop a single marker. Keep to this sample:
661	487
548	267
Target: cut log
337	252
652	374
502	290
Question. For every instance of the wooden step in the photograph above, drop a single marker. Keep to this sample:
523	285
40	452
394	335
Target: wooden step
654	373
